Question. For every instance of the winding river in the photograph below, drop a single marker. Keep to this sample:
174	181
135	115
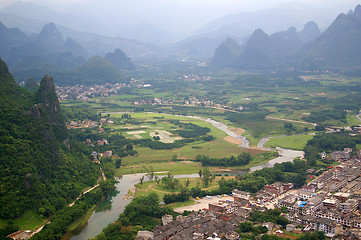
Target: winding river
223	127
109	209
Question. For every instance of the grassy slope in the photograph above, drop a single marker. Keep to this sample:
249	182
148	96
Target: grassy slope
296	142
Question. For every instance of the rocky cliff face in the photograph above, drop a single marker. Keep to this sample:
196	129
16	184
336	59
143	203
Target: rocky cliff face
38	169
47	102
50	38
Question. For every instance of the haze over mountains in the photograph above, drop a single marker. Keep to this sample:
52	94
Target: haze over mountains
284	36
336	49
159	22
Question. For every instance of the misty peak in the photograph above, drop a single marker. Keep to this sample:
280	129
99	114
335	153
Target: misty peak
50	38
310	32
291	30
230	40
357	12
227	53
259	38
311	26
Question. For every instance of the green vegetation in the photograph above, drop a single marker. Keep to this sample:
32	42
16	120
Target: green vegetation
296	142
329	143
43	169
60	222
241	160
96	70
255	181
143	213
273	216
29	220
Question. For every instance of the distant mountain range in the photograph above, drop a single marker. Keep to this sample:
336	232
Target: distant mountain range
47	52
336	49
241	25
264	51
139	38
30	18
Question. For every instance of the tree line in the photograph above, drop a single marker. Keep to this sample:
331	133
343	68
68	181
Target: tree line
240	160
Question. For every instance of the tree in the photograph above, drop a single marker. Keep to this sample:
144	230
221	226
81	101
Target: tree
200	173
245	227
196	192
129	147
150	174
188	182
157	179
141	180
118	162
206	177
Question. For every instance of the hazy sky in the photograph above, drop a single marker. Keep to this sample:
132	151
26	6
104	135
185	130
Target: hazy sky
218	5
175	15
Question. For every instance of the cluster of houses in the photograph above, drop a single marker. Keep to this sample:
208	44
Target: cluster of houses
195	78
339	156
86	92
170	101
272	191
82	124
329	203
204	224
219	221
189	102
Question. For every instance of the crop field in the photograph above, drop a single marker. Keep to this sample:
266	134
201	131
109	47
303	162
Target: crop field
307	99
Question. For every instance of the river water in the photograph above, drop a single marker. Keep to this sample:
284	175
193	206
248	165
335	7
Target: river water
286	155
108	210
224	128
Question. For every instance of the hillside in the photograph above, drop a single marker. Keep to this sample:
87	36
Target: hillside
41	168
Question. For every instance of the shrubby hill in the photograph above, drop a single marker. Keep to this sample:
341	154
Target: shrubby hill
119	59
41	168
96	70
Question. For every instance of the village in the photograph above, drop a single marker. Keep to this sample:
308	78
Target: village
329	203
89	92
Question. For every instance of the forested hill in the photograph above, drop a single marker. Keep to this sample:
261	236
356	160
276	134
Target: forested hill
41	169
